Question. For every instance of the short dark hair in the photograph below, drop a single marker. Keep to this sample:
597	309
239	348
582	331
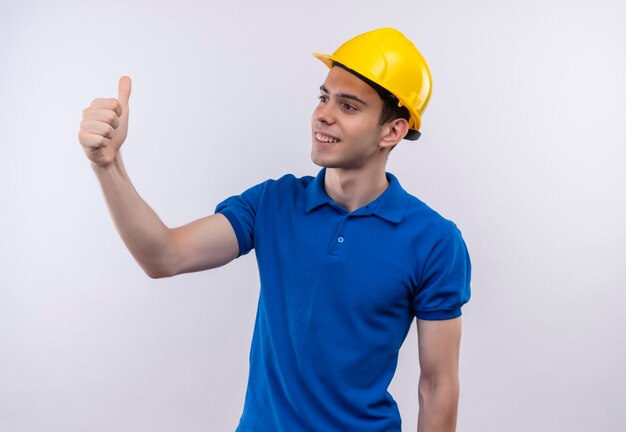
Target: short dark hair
391	110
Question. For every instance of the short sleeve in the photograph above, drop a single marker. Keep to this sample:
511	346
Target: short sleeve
445	282
241	210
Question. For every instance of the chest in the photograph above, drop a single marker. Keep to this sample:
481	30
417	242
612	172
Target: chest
341	262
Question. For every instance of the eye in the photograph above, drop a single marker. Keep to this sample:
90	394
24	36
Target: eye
349	107
323	98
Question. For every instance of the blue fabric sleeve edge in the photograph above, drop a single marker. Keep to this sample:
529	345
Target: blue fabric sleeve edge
236	227
439	315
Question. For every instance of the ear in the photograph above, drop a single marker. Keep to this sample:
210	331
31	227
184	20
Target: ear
393	132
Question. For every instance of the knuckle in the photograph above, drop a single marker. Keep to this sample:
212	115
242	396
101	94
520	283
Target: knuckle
88	113
85	139
108	131
111	117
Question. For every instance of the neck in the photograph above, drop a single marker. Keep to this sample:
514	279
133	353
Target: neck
352	189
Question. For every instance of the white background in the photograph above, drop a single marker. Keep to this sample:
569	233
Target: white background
523	147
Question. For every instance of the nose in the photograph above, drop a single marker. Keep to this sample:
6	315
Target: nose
324	113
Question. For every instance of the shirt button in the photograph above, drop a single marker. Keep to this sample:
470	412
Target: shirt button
340	239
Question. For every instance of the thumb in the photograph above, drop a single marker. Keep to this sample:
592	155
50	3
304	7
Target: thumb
123	90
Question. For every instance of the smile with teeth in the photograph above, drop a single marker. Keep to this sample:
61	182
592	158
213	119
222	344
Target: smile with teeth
325	138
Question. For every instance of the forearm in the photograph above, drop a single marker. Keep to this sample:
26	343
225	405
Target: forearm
143	232
438	405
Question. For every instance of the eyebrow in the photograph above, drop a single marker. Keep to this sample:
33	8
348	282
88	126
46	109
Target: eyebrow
344	95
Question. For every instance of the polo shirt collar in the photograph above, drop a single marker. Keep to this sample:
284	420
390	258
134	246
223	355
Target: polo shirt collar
391	205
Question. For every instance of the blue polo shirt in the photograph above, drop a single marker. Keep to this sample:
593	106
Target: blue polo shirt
339	291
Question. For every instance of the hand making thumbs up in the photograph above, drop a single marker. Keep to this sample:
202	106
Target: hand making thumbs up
105	125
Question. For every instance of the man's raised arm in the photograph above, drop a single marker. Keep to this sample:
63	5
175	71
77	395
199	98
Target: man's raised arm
203	244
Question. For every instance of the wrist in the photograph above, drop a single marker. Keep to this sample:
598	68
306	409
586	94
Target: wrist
114	168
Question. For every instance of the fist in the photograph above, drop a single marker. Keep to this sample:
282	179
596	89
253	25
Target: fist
105	125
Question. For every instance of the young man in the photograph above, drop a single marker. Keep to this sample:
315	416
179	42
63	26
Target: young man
346	259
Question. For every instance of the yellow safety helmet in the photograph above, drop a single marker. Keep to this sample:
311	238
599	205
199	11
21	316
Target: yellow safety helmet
386	57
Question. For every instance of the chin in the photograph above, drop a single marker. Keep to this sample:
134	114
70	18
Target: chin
315	158
321	160
324	158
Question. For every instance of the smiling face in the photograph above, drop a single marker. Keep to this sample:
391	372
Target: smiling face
345	124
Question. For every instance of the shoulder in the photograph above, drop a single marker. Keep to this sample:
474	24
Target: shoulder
290	180
426	220
437	241
286	183
415	215
287	190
